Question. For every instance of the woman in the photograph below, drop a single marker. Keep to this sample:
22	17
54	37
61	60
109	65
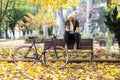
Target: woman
72	32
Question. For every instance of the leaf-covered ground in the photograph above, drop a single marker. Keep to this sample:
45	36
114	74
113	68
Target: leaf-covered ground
72	71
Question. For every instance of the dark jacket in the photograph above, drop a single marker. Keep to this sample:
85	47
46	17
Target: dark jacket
76	24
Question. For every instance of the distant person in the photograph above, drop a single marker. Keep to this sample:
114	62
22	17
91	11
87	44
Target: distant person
72	32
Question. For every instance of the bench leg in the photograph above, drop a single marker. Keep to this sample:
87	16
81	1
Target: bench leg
92	56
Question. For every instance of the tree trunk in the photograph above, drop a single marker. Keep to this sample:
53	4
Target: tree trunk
6	31
6	34
119	48
45	30
0	30
88	15
60	22
24	32
54	30
0	17
3	13
119	44
13	34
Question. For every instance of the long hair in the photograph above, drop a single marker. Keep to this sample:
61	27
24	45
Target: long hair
72	19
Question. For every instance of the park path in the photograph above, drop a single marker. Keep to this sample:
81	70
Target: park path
16	43
13	42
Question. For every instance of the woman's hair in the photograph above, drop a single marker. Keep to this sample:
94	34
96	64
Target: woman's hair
72	19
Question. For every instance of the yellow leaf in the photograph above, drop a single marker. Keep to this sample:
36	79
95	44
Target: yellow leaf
108	76
118	16
29	1
36	2
55	78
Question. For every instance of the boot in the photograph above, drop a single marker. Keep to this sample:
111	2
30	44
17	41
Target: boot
75	46
66	47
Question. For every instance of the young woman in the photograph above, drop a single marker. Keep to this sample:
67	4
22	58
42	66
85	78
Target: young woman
72	32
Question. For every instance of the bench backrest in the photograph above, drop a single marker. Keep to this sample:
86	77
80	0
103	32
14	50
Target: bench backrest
85	44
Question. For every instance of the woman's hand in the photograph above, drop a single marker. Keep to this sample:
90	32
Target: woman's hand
77	29
67	28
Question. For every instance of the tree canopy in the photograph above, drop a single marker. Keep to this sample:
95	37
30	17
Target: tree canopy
48	7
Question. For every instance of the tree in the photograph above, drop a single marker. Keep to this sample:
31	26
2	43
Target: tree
3	11
113	18
17	12
53	6
15	16
113	23
60	22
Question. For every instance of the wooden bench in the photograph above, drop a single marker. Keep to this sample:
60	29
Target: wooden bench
85	45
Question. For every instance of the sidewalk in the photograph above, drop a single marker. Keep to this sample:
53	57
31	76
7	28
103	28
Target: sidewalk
15	43
10	43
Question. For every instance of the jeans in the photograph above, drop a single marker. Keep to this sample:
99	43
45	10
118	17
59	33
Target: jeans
68	37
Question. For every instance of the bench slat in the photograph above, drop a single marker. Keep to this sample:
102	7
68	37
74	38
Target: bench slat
84	44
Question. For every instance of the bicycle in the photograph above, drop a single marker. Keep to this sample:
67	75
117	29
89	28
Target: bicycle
55	56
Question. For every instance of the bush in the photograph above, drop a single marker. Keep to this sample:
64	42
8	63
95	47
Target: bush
113	23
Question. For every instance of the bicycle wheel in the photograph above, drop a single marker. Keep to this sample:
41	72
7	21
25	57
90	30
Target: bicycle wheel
21	51
57	62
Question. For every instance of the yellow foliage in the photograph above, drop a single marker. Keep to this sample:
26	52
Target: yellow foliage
108	76
75	2
36	2
30	1
31	16
113	4
27	19
74	71
21	23
3	1
53	5
118	16
100	66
